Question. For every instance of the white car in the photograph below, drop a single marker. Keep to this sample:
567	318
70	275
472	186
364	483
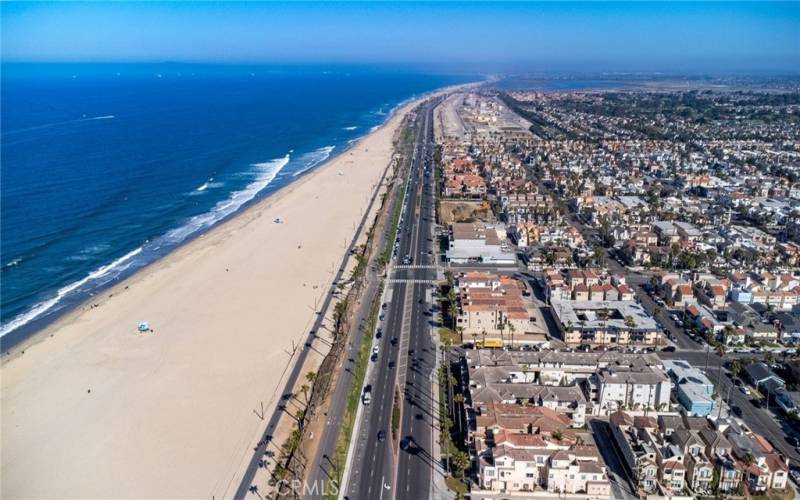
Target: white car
375	350
745	390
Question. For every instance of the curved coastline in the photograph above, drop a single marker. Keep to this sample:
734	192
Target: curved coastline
70	298
225	307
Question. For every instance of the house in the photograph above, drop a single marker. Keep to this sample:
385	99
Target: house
788	401
718	450
511	469
759	373
638	389
606	323
478	242
763	468
693	389
578	470
638	450
699	469
492	308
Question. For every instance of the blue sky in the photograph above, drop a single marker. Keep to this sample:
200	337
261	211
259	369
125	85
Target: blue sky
452	36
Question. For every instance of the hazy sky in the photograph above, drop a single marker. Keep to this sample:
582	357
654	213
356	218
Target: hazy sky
594	36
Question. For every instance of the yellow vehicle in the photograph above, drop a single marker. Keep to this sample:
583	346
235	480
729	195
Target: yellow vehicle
489	343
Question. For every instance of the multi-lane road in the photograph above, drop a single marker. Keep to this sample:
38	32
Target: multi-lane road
403	367
419	412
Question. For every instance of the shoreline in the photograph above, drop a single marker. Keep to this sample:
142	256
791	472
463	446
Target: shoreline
33	331
194	382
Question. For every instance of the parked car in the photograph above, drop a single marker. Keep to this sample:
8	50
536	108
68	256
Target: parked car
669	348
792	440
795	475
736	411
366	396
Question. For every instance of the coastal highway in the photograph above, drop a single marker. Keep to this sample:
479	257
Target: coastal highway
406	352
266	446
416	463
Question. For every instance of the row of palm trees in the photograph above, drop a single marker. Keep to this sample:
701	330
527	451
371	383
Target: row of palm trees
504	323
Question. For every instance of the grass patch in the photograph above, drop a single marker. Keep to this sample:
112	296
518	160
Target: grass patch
449	337
396	415
354	396
456	485
398	208
771	494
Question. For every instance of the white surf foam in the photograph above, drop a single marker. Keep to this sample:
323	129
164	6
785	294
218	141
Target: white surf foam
352	127
209	184
13	262
264	174
116	266
314	158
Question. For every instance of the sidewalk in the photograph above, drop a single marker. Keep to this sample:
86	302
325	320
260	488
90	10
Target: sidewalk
439	489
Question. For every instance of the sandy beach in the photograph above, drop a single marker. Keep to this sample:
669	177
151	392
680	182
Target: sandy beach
94	409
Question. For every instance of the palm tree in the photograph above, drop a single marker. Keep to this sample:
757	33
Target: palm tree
460	463
512	329
304	389
460	330
452	310
721	353
311	377
602	314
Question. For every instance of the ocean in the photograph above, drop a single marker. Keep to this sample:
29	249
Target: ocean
106	168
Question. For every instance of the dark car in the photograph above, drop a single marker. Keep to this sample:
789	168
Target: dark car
381	435
756	402
378	334
393	341
669	348
736	411
792	440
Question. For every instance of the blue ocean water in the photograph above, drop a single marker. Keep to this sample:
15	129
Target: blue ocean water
105	168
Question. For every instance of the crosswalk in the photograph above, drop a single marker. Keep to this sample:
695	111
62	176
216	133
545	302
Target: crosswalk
411	281
415	266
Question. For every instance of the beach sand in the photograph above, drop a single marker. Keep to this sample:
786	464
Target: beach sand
94	409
